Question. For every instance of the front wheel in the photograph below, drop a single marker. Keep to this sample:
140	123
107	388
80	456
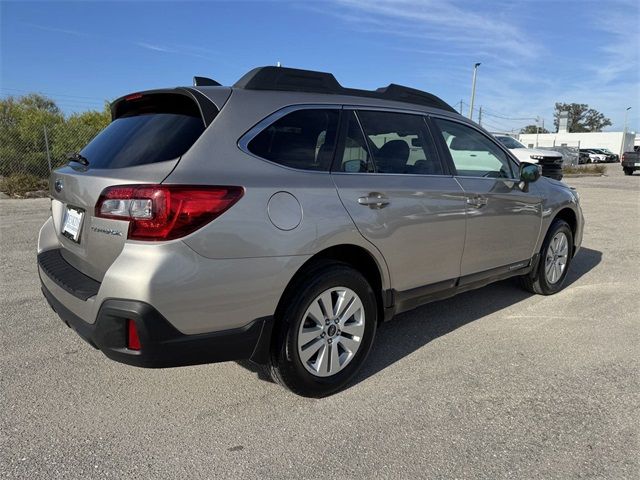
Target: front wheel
325	332
553	264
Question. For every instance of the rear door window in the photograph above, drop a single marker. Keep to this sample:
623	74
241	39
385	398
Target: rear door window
303	139
149	129
400	143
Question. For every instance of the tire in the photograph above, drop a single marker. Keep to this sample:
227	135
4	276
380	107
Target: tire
544	281
340	348
628	171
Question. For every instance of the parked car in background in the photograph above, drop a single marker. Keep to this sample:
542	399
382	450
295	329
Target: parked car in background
550	161
630	162
583	157
614	157
609	155
281	219
595	156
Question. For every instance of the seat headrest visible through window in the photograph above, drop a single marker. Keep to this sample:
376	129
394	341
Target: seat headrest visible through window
464	143
392	157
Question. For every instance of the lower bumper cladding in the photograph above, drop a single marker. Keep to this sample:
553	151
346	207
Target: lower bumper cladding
161	344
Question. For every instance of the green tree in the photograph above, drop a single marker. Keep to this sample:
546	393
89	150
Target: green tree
23	121
532	129
76	131
581	117
22	124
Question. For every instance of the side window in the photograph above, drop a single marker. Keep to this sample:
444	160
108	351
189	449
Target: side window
355	157
473	154
400	143
302	139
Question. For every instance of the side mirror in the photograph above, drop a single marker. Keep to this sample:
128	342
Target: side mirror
354	166
529	172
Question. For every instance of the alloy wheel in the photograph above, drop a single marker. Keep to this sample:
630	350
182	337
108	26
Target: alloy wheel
556	258
331	331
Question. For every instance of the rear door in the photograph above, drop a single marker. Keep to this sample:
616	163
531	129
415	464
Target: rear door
401	198
503	222
143	144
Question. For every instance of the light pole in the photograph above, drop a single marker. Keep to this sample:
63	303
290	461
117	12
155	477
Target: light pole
473	90
624	132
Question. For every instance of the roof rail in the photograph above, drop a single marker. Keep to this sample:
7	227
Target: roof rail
204	82
296	80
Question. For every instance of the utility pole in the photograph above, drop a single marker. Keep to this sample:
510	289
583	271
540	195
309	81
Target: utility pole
480	116
537	130
624	132
46	144
460	107
473	90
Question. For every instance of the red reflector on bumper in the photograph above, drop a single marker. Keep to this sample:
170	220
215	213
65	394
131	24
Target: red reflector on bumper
133	341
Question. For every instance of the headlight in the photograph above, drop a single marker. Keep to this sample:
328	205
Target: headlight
537	157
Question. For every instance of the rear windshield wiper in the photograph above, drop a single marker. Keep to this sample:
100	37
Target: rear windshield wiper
76	157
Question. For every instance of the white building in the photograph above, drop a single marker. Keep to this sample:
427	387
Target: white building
614	141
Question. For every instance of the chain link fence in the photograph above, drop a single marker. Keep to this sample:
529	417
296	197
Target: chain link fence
32	145
39	150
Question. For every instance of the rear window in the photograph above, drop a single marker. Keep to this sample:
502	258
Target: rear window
303	139
149	129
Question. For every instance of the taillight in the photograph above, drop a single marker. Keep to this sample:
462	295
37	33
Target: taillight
165	212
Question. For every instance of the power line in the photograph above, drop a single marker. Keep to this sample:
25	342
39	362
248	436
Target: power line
53	94
70	103
503	117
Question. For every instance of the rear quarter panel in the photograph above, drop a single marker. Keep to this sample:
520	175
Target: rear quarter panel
246	230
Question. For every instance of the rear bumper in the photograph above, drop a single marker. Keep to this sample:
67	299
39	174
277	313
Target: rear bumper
161	344
629	164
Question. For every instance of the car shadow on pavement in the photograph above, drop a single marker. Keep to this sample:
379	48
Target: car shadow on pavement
412	330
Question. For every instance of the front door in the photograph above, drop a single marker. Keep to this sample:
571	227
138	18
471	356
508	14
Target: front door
503	222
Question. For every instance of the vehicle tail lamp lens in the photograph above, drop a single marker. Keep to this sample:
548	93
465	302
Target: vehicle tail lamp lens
165	212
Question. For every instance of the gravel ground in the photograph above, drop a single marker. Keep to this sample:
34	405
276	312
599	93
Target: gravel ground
493	383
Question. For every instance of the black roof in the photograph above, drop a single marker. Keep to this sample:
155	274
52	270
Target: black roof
296	80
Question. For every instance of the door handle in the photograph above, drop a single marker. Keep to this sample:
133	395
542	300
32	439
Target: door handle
374	200
477	201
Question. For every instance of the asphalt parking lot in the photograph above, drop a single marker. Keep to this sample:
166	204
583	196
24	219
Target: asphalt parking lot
493	383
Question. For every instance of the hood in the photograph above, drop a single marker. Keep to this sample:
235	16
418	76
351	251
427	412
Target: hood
524	154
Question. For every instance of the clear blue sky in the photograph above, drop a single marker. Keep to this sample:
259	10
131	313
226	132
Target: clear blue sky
533	53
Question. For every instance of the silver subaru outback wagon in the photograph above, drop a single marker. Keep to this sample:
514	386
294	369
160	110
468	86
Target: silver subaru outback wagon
281	219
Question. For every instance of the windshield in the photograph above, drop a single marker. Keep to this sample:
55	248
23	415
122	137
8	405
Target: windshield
510	142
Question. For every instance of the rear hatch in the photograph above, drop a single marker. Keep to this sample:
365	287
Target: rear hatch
149	133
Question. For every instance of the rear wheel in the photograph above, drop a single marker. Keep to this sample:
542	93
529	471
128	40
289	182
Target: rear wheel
628	171
553	264
326	331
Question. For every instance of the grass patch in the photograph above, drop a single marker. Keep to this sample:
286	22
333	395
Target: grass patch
21	183
597	169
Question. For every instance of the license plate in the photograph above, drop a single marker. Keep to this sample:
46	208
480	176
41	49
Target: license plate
72	224
637	164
